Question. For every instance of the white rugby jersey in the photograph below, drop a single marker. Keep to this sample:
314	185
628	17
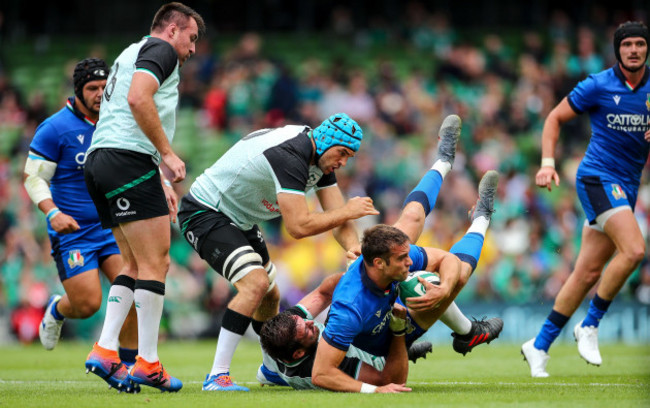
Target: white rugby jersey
116	128
244	183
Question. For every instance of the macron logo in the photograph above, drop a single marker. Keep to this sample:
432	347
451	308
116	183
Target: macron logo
80	138
617	99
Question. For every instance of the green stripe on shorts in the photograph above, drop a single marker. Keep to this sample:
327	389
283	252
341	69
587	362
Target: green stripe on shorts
131	184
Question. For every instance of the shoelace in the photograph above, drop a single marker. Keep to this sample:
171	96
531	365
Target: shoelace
224	381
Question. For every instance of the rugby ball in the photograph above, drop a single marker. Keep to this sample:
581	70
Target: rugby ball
411	286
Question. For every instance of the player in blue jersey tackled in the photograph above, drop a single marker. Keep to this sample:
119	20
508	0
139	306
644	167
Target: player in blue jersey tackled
55	182
361	310
607	182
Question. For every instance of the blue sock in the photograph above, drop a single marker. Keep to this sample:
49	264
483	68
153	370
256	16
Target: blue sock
426	192
55	313
550	330
597	309
127	356
468	249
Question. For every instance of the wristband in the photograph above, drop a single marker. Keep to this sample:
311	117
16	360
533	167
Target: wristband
167	183
548	162
367	388
397	325
52	213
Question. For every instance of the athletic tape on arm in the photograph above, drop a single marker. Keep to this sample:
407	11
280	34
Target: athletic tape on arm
39	173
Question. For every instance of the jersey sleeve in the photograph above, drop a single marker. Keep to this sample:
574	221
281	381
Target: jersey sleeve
584	96
419	257
289	169
46	142
328	180
157	57
343	324
301	311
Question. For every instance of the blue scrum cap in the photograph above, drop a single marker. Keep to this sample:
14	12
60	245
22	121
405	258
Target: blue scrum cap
337	130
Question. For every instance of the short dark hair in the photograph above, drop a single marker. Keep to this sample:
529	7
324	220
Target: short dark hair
278	336
379	240
178	13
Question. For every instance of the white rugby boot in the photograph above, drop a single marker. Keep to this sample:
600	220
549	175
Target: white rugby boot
587	339
49	330
537	359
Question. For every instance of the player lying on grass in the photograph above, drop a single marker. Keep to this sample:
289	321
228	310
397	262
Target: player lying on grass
360	314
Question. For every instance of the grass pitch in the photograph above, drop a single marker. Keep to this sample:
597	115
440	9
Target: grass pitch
490	376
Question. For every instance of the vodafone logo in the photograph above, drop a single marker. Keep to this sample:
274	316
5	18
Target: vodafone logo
123	204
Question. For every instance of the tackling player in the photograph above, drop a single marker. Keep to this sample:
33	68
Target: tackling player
54	181
360	315
607	182
264	176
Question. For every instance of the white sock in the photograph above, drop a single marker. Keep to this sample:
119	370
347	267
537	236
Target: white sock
456	320
226	347
149	306
120	299
442	167
479	225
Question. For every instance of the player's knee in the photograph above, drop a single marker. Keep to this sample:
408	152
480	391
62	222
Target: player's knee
634	253
254	285
412	214
87	307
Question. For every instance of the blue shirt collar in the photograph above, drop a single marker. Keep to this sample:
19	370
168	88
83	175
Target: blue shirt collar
619	74
372	286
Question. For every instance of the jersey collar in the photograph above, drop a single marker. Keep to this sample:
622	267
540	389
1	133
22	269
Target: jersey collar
70	105
621	77
372	286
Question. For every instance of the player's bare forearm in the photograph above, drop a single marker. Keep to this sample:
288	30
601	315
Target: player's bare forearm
321	297
325	372
347	236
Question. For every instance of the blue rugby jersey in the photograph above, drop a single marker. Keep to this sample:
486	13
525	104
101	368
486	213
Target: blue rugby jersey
359	314
63	138
619	118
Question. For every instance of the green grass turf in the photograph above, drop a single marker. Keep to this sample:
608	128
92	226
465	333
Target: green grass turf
490	376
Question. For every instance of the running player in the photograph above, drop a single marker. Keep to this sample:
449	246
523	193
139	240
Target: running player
607	182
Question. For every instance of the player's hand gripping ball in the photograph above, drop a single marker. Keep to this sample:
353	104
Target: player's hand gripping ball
411	286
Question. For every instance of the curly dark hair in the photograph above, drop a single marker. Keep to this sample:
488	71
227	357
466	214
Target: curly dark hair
278	336
378	241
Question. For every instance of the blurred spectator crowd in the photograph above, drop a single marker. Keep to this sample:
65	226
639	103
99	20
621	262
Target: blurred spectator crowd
502	89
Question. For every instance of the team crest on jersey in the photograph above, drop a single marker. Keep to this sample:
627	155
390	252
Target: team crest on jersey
75	258
647	101
618	192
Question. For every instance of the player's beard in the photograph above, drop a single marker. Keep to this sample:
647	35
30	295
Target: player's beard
640	67
90	107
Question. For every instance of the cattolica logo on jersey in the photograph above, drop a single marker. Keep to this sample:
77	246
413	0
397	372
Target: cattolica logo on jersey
618	192
75	258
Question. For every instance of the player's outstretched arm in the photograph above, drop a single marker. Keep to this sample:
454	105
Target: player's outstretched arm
320	298
550	134
300	222
345	234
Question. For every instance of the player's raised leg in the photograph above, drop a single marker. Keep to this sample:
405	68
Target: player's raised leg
469	334
421	200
